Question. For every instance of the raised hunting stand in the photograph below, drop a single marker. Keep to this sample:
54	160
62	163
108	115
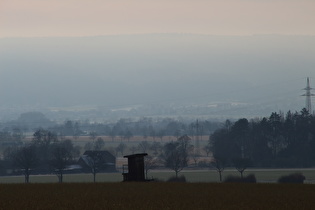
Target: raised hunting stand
134	171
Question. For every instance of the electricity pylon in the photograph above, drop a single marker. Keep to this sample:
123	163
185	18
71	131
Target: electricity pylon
308	94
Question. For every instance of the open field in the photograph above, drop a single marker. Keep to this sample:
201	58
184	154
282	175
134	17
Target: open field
133	141
194	176
156	196
119	139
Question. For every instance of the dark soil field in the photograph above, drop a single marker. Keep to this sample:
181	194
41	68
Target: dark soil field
157	196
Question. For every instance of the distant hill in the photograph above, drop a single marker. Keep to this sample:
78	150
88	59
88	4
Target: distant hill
30	121
182	69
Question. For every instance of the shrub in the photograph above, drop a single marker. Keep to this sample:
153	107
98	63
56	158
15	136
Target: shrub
236	179
292	178
177	179
250	178
157	180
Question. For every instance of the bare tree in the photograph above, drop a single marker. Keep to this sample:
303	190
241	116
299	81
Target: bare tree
150	163
176	154
99	144
173	157
43	140
241	164
185	147
94	161
97	161
26	159
61	156
156	148
219	165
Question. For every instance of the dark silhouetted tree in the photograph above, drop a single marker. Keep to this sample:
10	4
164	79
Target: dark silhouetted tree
176	154
43	141
241	164
62	154
26	159
219	164
150	163
99	144
94	161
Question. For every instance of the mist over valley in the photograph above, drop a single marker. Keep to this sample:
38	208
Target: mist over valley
155	75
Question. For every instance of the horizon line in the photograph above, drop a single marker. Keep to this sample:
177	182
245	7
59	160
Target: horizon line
171	33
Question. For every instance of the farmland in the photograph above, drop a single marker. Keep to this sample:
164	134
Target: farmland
156	196
193	176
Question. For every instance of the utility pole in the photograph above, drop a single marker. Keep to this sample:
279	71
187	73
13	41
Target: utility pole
308	95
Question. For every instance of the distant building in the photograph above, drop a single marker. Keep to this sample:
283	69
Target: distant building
106	161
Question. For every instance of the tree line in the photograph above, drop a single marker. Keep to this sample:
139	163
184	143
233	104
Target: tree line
47	154
146	127
280	140
125	128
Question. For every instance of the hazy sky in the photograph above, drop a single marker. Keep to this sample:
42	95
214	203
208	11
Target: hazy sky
122	70
27	18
